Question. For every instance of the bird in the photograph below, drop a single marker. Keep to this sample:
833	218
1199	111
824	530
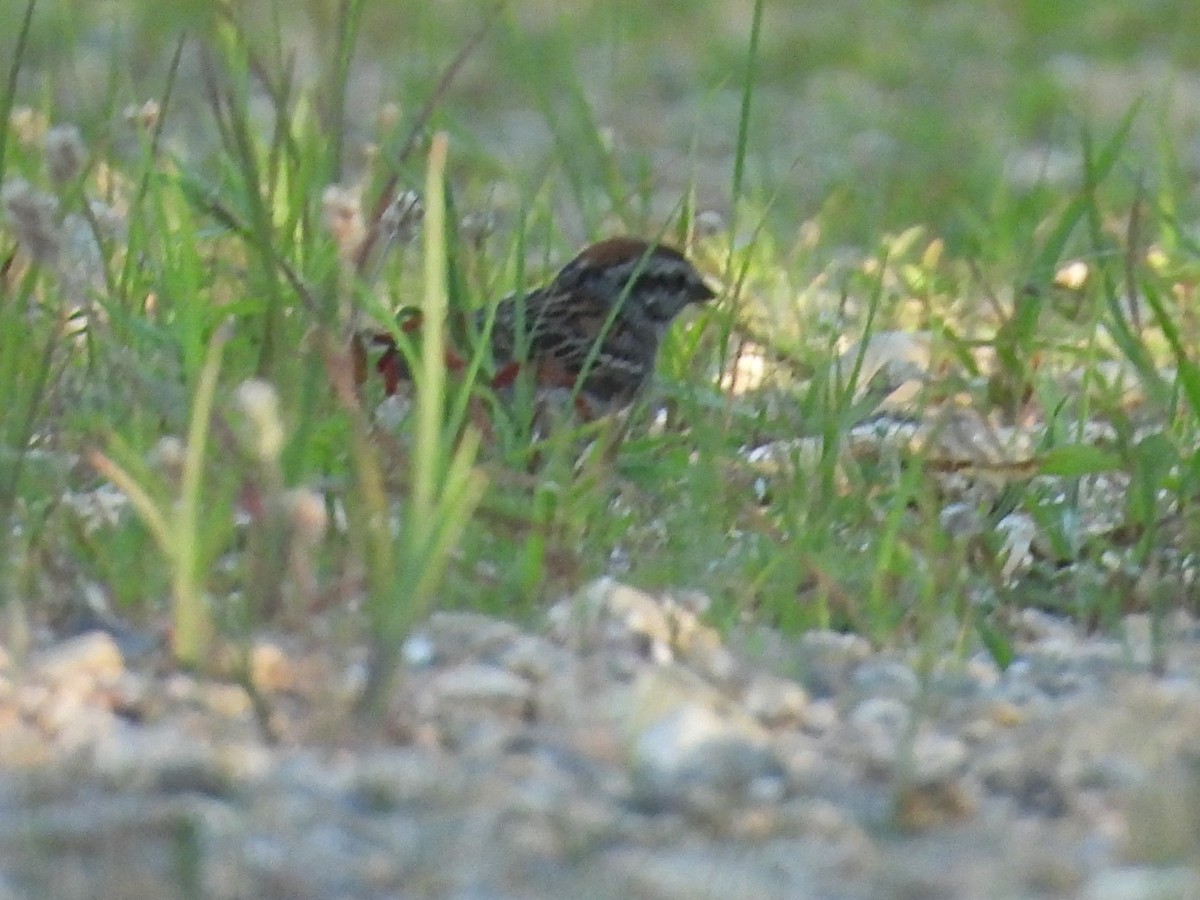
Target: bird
593	331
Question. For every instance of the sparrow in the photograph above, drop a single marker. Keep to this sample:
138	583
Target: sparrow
593	331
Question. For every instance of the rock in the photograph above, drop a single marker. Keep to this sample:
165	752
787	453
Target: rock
418	650
457	636
21	745
1142	883
160	758
880	718
686	872
534	659
74	725
659	690
878	726
920	807
828	658
776	702
1038	627
485	687
606	612
926	758
693	759
1030	783
937	758
406	777
703	650
820	716
476	708
886	678
93	656
229	701
1163	826
270	670
629	752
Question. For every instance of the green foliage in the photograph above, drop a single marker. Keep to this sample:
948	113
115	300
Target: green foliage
888	211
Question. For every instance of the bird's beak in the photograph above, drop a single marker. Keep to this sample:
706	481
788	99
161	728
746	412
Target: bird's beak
703	293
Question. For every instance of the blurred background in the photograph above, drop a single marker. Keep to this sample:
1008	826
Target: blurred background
866	116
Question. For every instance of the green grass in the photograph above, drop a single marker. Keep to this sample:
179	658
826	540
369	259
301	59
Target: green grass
863	190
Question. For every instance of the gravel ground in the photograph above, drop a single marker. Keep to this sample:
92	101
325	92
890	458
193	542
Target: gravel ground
622	750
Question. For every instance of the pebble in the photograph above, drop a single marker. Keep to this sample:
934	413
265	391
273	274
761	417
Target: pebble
776	702
488	686
885	678
1136	883
691	873
533	658
693	758
93	656
828	658
881	722
820	716
937	758
607	612
270	670
455	636
623	749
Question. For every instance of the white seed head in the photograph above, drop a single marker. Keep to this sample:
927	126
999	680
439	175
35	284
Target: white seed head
309	518
1072	276
389	116
264	433
401	221
144	116
28	124
33	217
709	223
168	456
342	209
65	154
